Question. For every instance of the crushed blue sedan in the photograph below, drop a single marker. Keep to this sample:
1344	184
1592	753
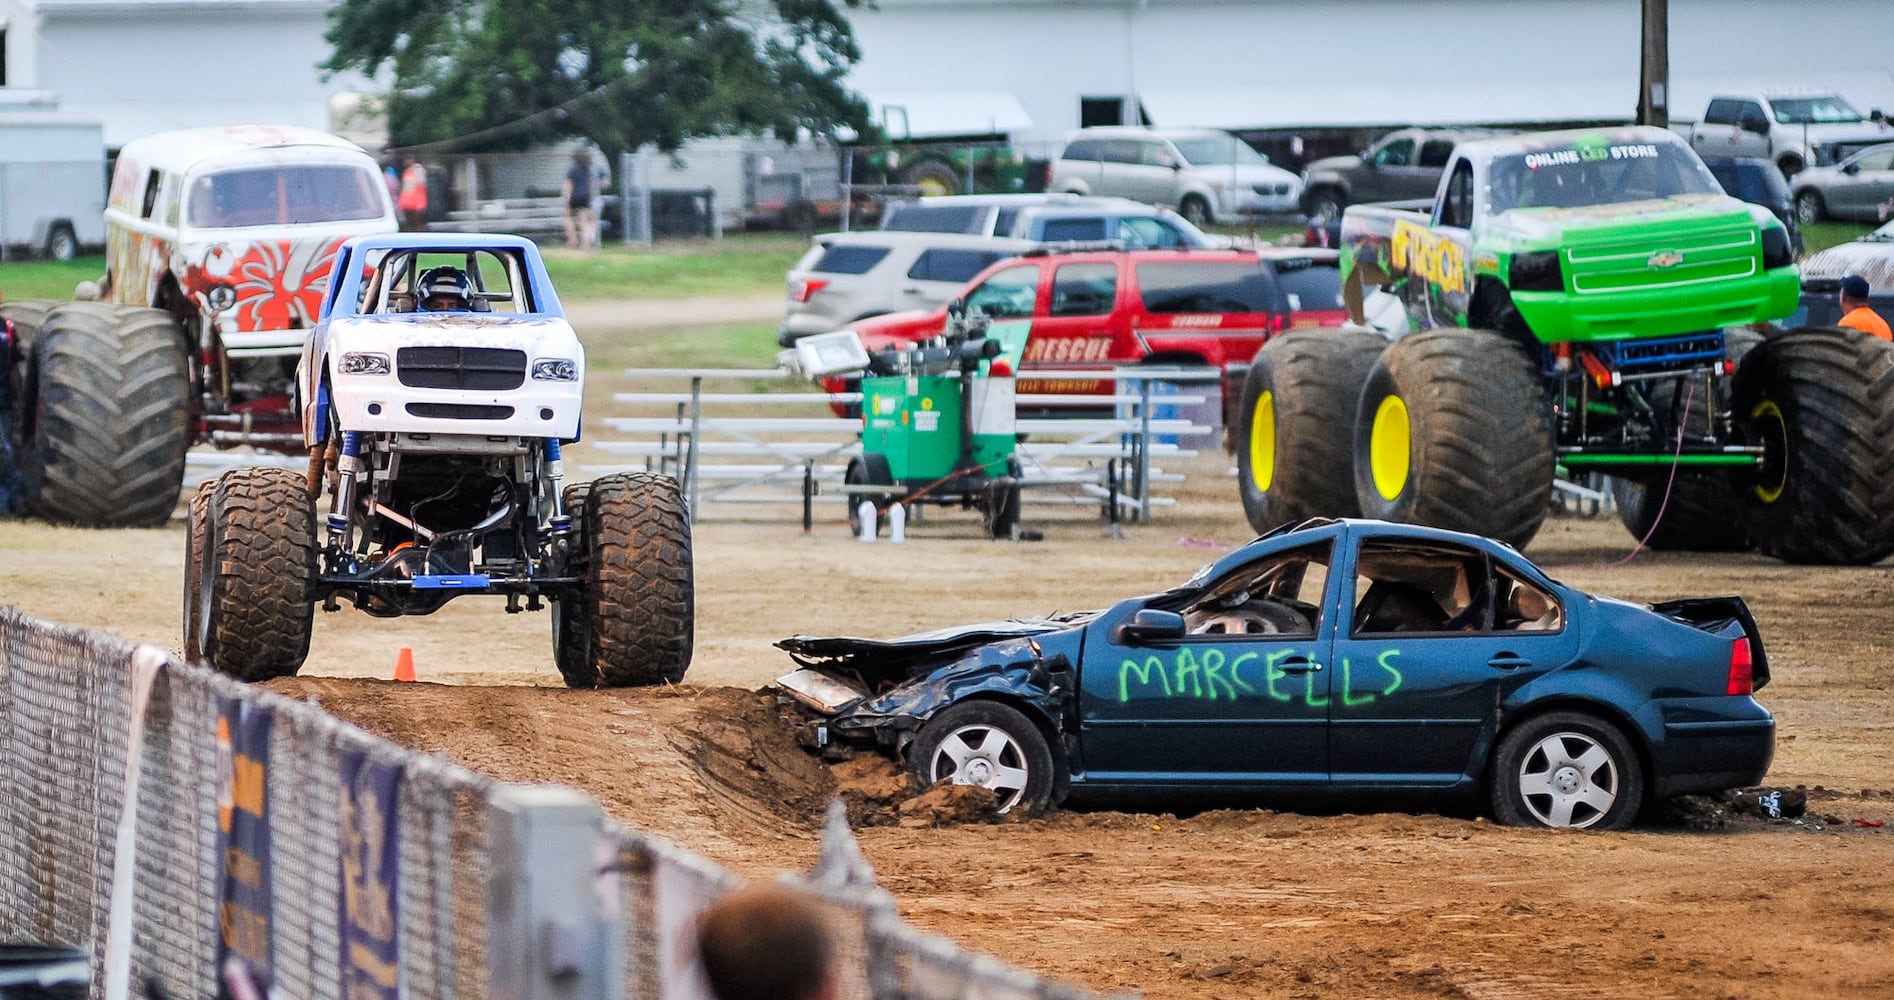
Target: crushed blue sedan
1336	657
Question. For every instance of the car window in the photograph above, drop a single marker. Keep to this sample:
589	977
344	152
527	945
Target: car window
849	259
1003	220
1581	175
1055	230
1420	587
1084	289
1156	154
1435	152
1007	294
1083	149
1150	233
1118	150
1722	111
1880	159
495	280
919	217
1218	151
1457	208
1525	607
1395	154
1309	284
284	195
1207	287
1279	595
941	264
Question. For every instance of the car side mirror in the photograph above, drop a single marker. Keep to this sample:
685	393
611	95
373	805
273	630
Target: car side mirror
1754	123
1148	625
1851	169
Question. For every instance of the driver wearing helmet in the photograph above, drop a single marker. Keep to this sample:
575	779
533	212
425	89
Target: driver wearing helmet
445	289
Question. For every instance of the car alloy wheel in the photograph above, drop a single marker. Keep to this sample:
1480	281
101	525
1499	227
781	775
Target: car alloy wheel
1568	779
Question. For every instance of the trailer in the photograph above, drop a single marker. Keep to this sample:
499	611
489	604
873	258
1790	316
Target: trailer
52	184
752	182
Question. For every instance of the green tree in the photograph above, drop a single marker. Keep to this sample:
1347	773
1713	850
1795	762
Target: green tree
483	75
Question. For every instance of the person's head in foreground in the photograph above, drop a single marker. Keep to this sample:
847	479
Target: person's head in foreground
767	943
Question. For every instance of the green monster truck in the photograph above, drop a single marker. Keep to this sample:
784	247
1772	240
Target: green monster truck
1577	300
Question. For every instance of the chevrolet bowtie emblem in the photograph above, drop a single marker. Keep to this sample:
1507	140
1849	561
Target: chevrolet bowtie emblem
1665	258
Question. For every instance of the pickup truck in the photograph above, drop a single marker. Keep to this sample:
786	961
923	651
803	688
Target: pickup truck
1796	129
1567	296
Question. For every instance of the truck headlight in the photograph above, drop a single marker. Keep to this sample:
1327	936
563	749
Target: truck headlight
221	297
1776	251
365	363
555	370
1537	271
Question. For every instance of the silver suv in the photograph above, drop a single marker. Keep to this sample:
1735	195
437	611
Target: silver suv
1207	175
849	276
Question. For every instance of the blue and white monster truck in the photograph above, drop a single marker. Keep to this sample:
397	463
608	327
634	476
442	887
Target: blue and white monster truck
436	390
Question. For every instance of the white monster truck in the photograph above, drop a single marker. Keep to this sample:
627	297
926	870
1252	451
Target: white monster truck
435	391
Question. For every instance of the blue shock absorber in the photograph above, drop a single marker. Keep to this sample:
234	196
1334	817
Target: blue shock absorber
347	467
556	474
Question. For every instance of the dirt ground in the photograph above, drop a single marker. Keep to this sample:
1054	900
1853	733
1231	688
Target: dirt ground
1227	903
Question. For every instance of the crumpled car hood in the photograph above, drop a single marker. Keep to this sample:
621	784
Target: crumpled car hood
936	645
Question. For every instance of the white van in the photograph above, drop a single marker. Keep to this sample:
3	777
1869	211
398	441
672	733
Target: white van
1207	175
233	230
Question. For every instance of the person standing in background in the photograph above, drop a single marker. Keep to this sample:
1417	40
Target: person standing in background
413	198
580	192
1854	308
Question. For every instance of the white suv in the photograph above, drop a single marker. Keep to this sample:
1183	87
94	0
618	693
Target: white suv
849	276
1210	176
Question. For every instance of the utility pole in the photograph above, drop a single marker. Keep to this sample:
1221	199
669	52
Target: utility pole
1654	67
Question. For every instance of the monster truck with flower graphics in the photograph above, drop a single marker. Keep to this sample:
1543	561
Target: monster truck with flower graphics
218	254
1585	300
434	394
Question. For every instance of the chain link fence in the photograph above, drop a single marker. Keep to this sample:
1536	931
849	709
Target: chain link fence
93	723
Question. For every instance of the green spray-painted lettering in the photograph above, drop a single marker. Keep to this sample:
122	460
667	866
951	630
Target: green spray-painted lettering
1209	673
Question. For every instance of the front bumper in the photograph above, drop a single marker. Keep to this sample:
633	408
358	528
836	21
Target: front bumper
1660	311
381	404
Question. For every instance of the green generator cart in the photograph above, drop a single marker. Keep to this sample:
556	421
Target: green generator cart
938	428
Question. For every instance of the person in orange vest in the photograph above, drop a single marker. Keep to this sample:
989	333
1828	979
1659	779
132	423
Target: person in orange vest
1855	312
413	200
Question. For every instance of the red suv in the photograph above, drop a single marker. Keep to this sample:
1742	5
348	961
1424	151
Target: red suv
1092	309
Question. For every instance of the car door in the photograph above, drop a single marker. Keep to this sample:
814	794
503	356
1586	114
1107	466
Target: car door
1436	635
1076	329
1390	170
1862	184
1237	694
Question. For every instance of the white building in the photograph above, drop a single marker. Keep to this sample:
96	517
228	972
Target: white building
1039	68
1035	69
142	66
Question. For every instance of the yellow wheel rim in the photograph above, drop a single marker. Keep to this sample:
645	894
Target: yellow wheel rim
1775	433
1388	447
1263	441
932	187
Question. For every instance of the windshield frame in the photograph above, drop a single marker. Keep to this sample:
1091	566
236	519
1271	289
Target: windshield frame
1688	175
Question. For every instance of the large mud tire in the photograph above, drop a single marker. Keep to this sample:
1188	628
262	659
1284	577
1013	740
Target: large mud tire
197	567
1295	423
572	644
1820	400
1453	430
261	547
933	178
1703	508
104	443
639	590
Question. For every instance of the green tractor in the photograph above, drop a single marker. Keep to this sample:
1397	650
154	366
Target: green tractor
938	427
1577	301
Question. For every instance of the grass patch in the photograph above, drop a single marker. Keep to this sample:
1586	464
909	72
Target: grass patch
48	279
741	264
743	345
1822	235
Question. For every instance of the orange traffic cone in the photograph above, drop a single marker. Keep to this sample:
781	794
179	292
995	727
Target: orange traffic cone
404	665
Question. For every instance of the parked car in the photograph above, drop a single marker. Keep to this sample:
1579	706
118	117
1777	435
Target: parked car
1121	221
1401	166
970	214
1335	658
1207	175
1860	187
851	276
1089	308
1757	180
1797	127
